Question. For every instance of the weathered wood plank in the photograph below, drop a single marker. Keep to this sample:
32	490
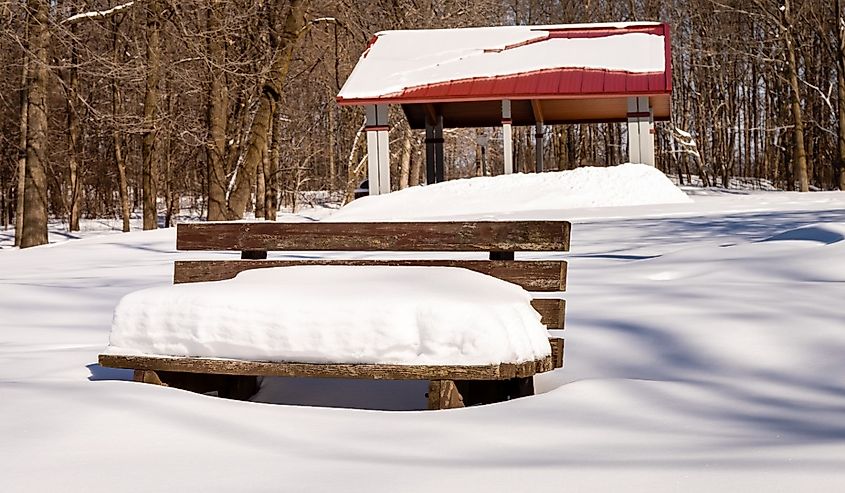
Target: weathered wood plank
398	236
284	369
552	311
540	275
557	352
443	394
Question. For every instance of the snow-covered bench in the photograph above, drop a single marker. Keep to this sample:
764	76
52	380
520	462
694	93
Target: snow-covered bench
473	336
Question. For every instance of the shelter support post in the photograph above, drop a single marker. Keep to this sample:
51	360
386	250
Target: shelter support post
537	108
378	153
434	170
507	136
538	147
640	131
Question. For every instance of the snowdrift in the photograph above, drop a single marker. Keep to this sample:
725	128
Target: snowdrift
489	197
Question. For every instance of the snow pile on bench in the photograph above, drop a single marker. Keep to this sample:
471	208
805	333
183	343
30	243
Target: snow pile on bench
336	314
624	185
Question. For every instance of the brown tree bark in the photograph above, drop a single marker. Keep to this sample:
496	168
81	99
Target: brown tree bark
21	170
73	133
840	62
332	148
270	95
218	99
149	146
260	183
117	139
415	171
35	192
271	175
405	160
354	170
799	152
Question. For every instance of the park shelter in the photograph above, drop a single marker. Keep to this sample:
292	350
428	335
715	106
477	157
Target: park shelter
511	75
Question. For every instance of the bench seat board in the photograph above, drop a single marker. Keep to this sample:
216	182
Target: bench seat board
501	371
476	236
532	275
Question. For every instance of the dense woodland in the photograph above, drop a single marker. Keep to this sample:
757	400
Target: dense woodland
113	108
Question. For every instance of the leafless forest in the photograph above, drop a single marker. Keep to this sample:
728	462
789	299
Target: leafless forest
113	108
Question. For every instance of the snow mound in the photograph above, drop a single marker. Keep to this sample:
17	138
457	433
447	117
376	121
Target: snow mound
821	233
487	197
340	314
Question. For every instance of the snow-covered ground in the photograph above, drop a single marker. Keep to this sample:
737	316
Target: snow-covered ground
704	352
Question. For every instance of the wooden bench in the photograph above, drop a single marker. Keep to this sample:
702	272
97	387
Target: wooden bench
450	386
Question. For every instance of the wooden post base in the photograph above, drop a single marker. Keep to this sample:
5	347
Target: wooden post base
236	387
443	394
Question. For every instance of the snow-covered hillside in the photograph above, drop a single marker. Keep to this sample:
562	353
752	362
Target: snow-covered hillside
704	353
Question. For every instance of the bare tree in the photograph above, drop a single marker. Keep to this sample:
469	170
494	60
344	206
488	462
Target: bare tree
151	153
35	188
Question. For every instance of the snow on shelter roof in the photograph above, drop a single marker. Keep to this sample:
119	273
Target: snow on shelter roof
512	62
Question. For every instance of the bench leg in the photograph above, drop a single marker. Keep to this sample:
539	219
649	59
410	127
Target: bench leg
443	394
147	376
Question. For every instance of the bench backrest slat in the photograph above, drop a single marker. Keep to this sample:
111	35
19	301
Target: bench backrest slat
532	275
476	236
501	239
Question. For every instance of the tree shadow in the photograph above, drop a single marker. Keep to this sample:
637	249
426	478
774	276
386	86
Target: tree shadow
101	373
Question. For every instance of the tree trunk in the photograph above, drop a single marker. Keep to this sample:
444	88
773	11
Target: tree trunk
332	145
799	153
218	102
270	171
415	171
260	183
35	188
21	171
405	160
73	137
840	31
149	147
270	95
117	141
354	171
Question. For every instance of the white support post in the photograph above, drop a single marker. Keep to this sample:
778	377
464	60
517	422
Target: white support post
378	152
633	132
507	136
646	132
640	131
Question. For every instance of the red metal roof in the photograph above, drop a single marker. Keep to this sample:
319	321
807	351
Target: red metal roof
562	83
